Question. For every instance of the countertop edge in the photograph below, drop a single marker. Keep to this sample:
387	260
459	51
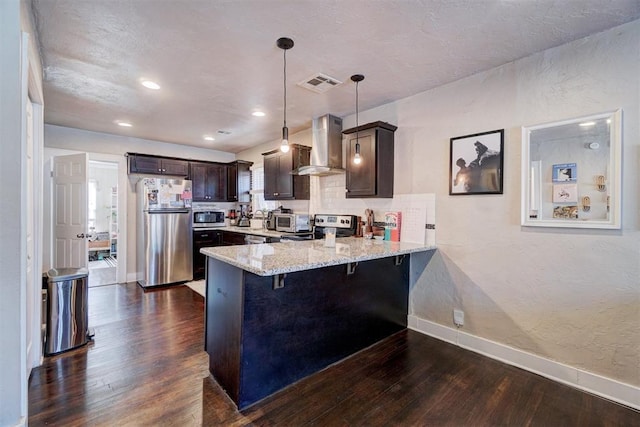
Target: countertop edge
337	260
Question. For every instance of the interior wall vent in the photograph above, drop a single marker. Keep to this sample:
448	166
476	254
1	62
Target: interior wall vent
319	83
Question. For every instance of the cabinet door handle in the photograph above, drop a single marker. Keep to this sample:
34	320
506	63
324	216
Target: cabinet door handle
159	170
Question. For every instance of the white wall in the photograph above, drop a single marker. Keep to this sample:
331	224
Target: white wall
20	77
564	295
12	280
567	295
60	140
572	296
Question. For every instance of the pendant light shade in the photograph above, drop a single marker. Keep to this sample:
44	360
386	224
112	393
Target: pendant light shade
285	44
357	159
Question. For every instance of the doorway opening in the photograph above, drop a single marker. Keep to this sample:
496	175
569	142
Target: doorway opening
102	219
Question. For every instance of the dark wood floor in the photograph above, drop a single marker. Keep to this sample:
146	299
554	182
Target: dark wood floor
147	366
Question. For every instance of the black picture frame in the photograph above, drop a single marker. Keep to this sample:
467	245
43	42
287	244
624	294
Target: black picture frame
476	163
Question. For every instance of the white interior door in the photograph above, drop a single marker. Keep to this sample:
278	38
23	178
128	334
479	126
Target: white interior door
70	230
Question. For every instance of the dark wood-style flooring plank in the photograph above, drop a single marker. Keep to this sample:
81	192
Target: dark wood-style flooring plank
147	366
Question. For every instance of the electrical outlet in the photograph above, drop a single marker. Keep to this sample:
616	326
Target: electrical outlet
458	317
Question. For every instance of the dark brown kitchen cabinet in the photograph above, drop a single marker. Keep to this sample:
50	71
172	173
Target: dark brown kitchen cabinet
239	181
373	177
208	181
203	239
141	163
279	184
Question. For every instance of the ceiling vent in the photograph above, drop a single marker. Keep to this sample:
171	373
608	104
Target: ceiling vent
319	83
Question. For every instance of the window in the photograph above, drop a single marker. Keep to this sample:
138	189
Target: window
258	202
91	215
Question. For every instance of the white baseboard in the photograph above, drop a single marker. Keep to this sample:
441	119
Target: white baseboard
132	277
608	388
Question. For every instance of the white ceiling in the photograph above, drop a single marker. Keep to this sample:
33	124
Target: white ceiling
217	60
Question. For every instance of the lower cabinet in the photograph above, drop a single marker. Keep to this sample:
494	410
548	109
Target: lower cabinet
232	238
203	239
260	339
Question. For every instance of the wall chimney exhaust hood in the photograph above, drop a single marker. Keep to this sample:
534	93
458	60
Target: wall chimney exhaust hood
326	153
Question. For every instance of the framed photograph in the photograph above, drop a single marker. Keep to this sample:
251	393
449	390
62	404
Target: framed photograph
565	172
476	163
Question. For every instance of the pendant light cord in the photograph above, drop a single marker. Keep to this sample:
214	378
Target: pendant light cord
285	43
357	109
285	87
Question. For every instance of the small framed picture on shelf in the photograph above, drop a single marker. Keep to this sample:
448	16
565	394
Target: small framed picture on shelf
565	193
565	172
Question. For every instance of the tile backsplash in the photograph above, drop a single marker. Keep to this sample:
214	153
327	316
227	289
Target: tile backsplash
418	210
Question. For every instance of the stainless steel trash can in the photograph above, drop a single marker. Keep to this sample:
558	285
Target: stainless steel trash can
67	315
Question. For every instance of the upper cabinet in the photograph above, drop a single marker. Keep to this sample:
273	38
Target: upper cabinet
209	182
239	181
141	163
373	177
279	183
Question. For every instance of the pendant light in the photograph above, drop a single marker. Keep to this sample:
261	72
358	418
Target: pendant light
357	78
285	44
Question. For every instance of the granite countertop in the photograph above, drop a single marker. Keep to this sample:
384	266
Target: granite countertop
268	259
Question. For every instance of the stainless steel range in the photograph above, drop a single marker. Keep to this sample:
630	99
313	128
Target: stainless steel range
345	225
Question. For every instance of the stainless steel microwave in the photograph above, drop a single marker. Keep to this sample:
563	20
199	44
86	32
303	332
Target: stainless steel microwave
203	218
292	223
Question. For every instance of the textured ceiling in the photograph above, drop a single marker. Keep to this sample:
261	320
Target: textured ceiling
217	60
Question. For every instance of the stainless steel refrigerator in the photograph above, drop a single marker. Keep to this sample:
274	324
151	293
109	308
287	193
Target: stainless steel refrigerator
164	244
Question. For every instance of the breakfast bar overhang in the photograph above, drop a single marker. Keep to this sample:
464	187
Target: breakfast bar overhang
276	313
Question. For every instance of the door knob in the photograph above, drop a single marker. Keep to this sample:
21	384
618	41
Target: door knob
80	236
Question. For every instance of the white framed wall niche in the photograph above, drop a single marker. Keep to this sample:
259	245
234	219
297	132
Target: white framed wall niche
572	172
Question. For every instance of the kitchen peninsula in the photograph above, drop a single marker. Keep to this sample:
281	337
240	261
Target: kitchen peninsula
276	313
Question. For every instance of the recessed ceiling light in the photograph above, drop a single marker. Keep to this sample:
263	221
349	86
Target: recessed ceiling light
209	138
124	124
587	124
258	114
150	85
